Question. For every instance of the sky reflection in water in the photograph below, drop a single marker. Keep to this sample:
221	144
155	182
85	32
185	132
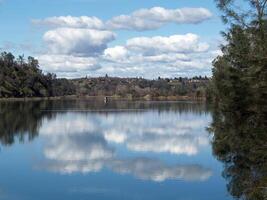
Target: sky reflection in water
83	153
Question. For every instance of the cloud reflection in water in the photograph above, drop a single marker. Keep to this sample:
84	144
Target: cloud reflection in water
87	143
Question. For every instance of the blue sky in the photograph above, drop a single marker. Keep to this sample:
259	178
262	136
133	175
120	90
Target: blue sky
189	38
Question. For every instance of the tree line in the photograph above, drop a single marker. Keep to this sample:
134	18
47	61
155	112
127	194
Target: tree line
139	87
20	77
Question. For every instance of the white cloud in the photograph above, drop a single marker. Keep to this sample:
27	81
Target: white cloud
139	20
154	18
173	44
116	53
79	46
150	57
157	49
167	58
72	41
73	52
71	22
68	65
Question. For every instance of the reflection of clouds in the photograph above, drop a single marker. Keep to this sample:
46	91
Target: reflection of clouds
155	170
78	153
94	190
83	147
69	167
67	125
143	168
145	132
176	144
177	138
113	136
82	143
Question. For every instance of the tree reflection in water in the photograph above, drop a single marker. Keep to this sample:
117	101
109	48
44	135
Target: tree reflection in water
240	142
20	120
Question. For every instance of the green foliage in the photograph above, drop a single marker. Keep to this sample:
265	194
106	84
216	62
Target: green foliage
24	79
241	73
239	86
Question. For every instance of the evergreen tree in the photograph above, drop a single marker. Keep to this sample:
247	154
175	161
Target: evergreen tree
239	86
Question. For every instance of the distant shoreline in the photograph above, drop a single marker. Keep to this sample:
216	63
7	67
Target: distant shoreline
76	97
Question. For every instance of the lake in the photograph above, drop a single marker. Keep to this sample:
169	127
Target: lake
118	150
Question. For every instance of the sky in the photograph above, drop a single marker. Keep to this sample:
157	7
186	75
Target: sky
124	38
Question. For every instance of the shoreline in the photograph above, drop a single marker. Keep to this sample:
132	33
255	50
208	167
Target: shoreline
75	97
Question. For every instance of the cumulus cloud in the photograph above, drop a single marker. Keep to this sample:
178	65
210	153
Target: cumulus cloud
82	42
117	53
86	52
157	49
71	22
68	65
139	20
154	18
175	55
187	43
82	45
74	52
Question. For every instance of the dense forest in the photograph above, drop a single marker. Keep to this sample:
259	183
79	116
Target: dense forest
20	78
239	85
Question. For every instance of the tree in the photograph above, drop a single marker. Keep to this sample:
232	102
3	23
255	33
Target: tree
24	79
241	70
243	12
239	86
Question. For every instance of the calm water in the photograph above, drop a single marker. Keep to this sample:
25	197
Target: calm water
120	150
